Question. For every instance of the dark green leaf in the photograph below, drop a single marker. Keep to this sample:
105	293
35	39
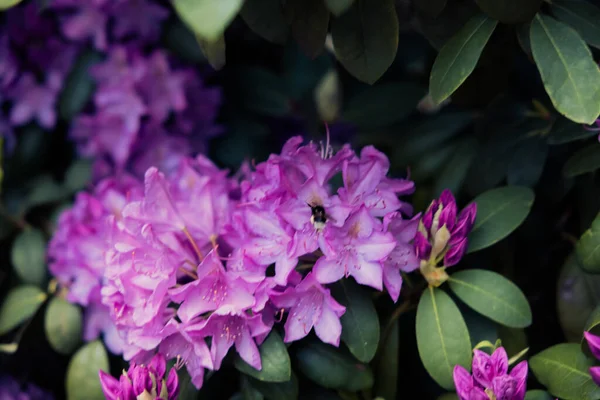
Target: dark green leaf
82	381
275	360
309	20
537	395
442	336
588	248
592	325
249	392
455	170
262	91
563	370
28	256
365	38
510	11
338	7
448	396
382	105
63	325
333	368
570	74
386	370
6	4
439	27
514	340
360	325
459	56
302	74
584	161
187	390
499	212
565	131
523	37
214	51
527	163
45	190
582	16
19	305
78	175
265	18
79	86
207	18
179	38
431	163
492	295
277	390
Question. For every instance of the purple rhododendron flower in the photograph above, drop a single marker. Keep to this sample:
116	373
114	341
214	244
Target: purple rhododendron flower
594	345
10	389
142	382
490	378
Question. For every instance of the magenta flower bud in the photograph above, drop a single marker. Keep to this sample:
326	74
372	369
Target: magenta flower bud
504	387
465	220
447	198
519	373
173	384
455	252
110	386
593	343
595	373
422	246
463	381
448	216
428	216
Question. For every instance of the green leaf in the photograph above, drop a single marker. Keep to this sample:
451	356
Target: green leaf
6	4
499	212
570	74
208	18
537	395
265	18
492	295
276	366
82	381
262	91
563	370
592	325
448	396
63	325
333	368
582	16
455	170
180	39
584	161
386	369
459	56
309	20
442	336
527	163
360	324
78	175
514	340
523	37
365	38
45	190
19	305
214	51
510	11
565	131
277	390
28	256
382	105
79	85
338	7
588	248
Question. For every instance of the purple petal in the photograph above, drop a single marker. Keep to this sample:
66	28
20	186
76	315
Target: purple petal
595	373
505	387
519	372
500	361
455	253
422	246
329	328
593	343
463	382
483	369
110	386
173	384
159	365
248	351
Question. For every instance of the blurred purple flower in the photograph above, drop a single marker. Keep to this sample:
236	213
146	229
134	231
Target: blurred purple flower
34	101
491	378
87	22
10	389
138	17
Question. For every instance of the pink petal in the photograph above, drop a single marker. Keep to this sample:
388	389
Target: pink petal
369	274
328	271
329	328
246	347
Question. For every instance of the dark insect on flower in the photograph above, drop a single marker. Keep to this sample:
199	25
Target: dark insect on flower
318	217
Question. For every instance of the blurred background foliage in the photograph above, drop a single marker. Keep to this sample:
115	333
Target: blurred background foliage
460	94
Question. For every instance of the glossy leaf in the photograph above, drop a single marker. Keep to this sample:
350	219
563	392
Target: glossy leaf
442	336
455	171
582	16
82	382
459	56
309	20
386	369
510	11
492	295
537	395
265	18
563	370
79	86
262	91
78	175
338	7
208	18
28	256
570	74
333	368
214	51
382	105
360	324
527	163
62	324
19	305
276	366
365	38
565	131
588	248
584	161
6	4
499	212
277	390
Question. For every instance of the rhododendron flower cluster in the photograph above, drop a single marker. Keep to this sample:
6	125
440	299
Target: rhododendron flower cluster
491	379
198	262
142	382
